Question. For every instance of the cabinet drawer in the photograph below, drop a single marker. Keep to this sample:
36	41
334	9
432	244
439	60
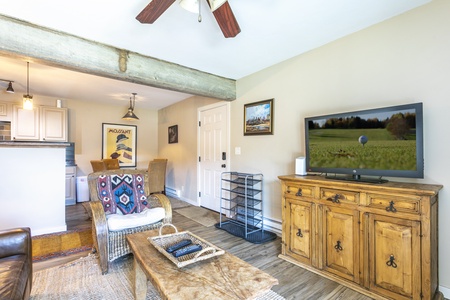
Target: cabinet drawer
339	196
394	203
299	190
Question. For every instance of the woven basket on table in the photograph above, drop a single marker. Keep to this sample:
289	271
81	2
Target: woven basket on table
162	242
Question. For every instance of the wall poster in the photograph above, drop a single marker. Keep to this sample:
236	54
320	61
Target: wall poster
119	141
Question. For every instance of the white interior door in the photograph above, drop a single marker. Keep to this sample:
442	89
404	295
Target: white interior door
213	152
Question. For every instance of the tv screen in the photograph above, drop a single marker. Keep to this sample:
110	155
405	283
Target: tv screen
376	142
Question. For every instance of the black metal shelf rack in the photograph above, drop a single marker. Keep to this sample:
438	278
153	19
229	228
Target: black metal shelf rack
241	211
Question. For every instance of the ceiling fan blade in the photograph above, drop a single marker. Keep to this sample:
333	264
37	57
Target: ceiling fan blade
226	20
153	10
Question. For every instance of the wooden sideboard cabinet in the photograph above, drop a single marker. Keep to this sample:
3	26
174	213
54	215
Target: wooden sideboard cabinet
378	239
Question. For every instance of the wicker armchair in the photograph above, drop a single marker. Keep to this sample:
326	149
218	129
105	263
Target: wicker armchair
110	244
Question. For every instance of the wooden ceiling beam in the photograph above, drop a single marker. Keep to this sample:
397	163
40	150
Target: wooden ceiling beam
58	49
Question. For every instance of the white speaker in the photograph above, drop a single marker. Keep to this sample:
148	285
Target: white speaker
300	166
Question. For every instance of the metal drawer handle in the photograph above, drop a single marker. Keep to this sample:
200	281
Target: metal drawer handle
299	233
299	192
338	246
391	207
390	262
335	198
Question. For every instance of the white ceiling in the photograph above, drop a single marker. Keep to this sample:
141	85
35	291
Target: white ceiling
271	32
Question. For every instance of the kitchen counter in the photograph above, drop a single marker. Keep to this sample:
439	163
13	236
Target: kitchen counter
34	144
32	192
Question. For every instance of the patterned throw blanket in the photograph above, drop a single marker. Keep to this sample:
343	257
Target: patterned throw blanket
122	193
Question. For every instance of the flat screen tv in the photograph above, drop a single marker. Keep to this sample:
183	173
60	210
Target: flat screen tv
377	142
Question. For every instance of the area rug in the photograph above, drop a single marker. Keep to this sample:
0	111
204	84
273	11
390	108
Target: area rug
82	279
200	215
61	244
176	203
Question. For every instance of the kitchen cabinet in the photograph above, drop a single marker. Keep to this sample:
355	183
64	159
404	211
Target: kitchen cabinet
71	185
5	111
53	125
379	239
43	123
25	124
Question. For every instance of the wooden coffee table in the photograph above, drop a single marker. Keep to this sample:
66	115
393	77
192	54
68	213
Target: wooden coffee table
221	277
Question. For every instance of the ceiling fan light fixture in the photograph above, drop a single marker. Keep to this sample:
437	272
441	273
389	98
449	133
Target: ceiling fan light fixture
190	5
28	99
130	115
215	4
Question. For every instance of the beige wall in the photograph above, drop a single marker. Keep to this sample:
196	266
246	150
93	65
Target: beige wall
182	156
86	120
85	128
402	60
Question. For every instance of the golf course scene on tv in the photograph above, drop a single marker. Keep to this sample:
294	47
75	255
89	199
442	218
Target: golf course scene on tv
385	141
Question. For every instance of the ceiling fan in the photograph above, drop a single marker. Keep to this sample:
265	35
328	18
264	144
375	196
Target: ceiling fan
220	8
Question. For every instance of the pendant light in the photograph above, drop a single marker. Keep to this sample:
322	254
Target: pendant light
28	99
9	89
130	116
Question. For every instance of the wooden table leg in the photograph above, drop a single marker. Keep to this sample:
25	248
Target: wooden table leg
140	282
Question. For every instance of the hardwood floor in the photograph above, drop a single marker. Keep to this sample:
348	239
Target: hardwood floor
77	216
294	282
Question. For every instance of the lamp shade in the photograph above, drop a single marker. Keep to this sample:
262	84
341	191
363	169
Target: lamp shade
10	89
27	102
190	5
130	116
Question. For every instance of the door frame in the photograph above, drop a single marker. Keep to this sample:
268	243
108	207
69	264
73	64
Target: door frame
228	147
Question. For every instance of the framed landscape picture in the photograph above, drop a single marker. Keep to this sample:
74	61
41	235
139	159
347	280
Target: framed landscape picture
258	118
119	141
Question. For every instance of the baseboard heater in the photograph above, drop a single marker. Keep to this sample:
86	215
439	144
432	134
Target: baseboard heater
172	192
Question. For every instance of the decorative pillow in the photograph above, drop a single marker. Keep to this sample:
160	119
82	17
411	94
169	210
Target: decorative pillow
122	193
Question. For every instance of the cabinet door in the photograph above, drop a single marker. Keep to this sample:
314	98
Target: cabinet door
70	189
53	124
299	229
340	240
25	124
394	255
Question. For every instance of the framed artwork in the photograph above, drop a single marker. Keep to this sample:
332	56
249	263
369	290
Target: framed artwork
119	141
173	134
258	118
